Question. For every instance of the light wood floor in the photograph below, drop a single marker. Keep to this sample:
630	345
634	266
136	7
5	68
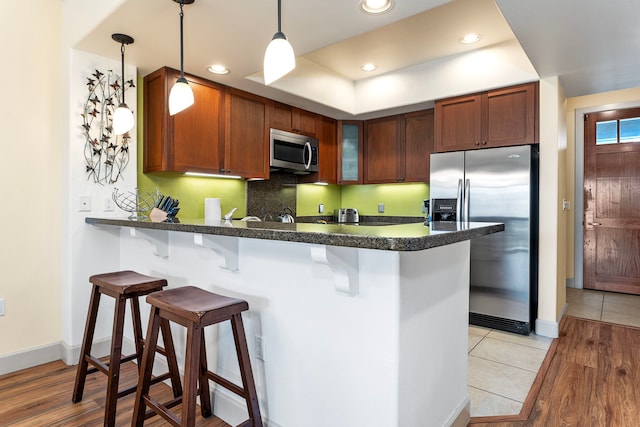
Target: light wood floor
592	379
41	396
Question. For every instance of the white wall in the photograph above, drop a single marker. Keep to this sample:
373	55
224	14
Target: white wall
30	173
80	264
551	281
42	169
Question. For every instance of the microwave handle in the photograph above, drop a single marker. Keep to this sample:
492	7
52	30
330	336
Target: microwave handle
307	149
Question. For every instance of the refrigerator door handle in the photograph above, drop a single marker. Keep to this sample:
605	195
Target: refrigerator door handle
467	187
459	201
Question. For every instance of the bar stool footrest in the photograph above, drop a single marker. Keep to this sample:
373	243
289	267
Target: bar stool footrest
98	365
226	384
162	409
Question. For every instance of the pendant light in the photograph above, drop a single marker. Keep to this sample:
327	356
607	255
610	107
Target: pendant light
279	58
181	95
123	116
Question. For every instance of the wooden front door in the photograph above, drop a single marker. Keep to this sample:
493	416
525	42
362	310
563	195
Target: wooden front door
612	201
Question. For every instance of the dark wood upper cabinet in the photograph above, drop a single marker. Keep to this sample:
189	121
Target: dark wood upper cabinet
246	136
496	118
384	150
292	119
418	139
190	141
397	148
327	153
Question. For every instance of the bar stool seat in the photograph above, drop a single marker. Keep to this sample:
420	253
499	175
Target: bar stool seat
195	308
122	286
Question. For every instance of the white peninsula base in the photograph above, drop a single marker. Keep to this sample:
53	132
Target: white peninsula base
340	337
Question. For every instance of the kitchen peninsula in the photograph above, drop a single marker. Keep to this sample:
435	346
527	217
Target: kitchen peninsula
349	325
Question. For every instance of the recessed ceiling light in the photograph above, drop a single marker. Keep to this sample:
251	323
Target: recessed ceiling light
368	67
375	7
218	69
470	38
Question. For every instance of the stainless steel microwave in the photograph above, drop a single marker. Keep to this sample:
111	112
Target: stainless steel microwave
292	152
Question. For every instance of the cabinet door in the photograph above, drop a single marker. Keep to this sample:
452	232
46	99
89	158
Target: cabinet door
418	137
156	115
327	154
510	116
304	122
458	123
350	152
197	131
384	150
246	135
190	141
281	116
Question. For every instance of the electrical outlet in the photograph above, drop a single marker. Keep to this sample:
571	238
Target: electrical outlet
380	207
321	208
84	204
108	204
1	306
259	348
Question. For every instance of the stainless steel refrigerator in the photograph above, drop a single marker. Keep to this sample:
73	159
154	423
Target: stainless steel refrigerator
496	185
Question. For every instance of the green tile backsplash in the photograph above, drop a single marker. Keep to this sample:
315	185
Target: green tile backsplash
399	199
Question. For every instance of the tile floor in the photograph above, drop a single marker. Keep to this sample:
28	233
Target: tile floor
503	366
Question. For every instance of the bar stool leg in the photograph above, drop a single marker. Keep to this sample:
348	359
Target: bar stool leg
248	384
191	373
170	354
114	361
205	396
146	369
137	329
87	341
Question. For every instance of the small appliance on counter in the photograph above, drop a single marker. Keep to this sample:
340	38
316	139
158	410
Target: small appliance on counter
286	215
346	215
445	209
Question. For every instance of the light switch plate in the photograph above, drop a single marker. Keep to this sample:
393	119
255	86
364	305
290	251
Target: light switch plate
84	204
380	207
1	306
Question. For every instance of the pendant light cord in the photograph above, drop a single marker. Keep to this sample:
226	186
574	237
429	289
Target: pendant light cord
122	62
279	17
182	42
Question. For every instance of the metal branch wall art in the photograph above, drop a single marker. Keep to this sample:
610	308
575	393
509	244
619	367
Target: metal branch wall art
105	153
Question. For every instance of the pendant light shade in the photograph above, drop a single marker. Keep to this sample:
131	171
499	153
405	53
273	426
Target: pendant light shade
123	116
181	95
122	119
279	58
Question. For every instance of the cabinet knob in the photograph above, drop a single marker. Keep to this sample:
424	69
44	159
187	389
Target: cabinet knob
484	142
477	142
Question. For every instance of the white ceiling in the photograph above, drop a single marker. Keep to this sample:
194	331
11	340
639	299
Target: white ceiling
592	45
588	43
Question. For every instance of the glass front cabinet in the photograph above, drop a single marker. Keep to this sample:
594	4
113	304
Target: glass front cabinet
350	152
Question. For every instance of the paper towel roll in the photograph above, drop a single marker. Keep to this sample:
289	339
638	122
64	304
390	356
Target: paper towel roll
212	212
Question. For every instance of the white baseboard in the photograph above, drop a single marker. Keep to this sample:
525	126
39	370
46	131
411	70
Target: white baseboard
101	348
31	357
546	328
462	414
233	409
56	351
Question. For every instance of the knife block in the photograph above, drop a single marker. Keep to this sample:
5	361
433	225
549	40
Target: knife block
158	215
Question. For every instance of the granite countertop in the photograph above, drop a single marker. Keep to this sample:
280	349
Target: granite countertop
400	237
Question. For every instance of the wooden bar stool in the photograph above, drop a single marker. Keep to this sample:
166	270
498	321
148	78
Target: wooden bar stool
123	286
195	309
